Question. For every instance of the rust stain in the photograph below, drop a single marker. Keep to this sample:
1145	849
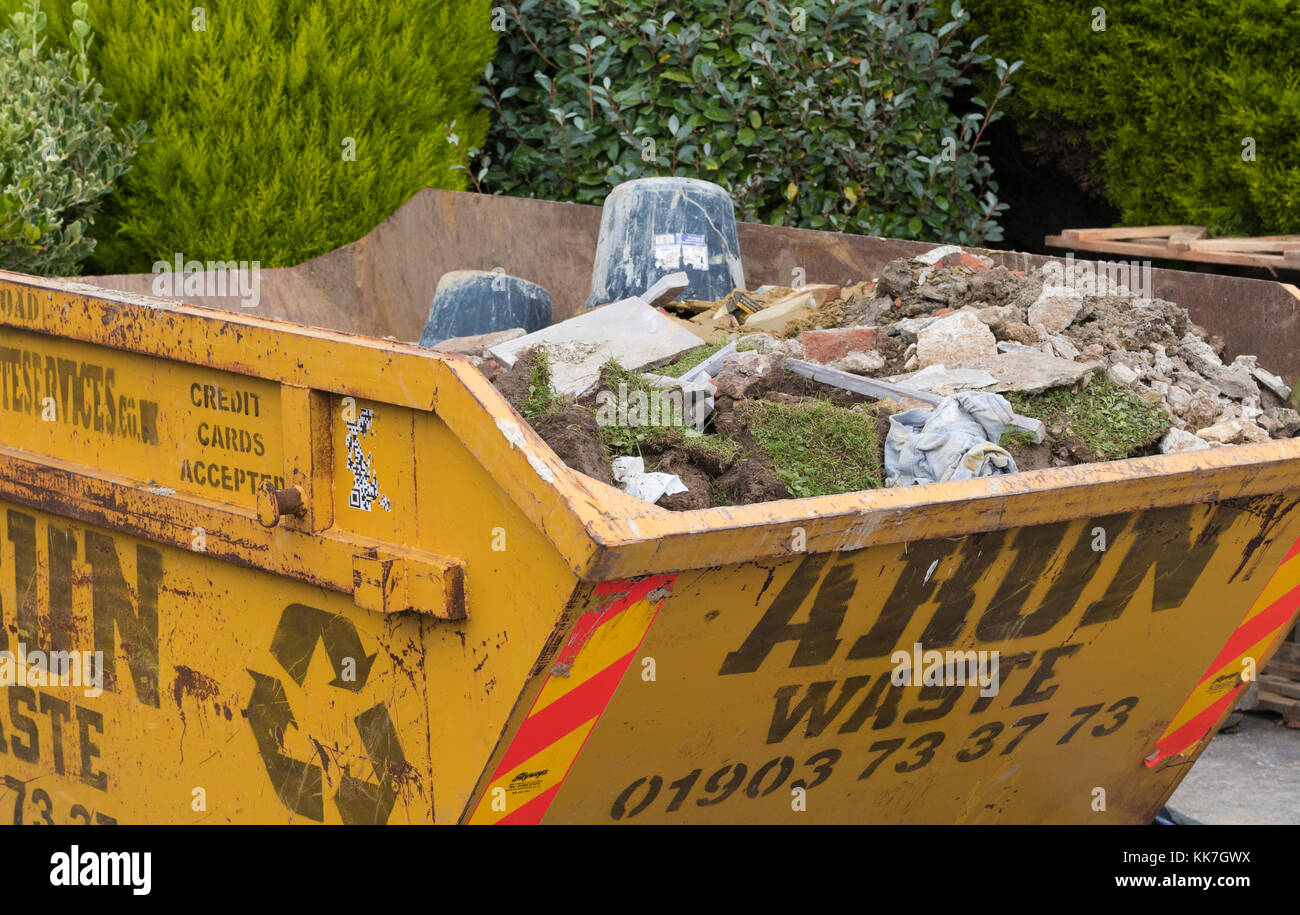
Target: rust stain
191	682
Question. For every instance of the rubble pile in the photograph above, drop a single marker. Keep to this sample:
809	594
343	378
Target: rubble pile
1071	349
960	316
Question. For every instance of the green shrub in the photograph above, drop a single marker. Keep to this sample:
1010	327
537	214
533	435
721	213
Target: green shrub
251	104
1161	102
825	115
59	157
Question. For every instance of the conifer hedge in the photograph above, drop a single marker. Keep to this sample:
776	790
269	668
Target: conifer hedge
280	129
1178	112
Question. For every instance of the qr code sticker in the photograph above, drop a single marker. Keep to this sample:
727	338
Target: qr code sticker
365	488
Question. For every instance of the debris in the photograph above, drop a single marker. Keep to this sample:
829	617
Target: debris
478	344
860	363
1272	382
630	471
1092	373
744	374
1122	374
954	441
1288	420
664	290
1055	309
1233	432
1179	441
630	331
1025	371
800	304
939	379
766	343
711	366
826	346
873	387
954	339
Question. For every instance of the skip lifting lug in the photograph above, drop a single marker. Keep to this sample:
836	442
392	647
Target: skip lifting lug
273	504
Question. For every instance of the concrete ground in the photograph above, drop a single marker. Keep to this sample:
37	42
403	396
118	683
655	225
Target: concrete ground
1248	775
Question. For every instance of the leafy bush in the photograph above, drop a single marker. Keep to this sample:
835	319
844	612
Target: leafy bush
58	155
825	115
255	107
1162	102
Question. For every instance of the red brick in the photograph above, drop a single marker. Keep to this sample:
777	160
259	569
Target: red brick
828	345
964	259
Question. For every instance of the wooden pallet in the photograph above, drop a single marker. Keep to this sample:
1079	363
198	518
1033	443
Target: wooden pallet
1279	683
1185	243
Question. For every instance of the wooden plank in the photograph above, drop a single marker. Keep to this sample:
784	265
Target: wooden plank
1243	245
1124	232
1289	652
1279	685
1289	709
1288	669
1165	252
1184	240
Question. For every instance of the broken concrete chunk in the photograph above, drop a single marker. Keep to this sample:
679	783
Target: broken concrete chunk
1273	382
766	343
1026	371
934	255
939	379
1233	432
908	328
744	374
1288	420
1178	441
1057	345
860	363
1121	374
478	344
956	338
630	331
1055	312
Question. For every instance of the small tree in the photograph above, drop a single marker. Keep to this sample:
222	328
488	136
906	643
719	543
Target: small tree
59	158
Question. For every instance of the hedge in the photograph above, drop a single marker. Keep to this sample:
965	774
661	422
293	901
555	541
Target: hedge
841	116
256	107
1180	113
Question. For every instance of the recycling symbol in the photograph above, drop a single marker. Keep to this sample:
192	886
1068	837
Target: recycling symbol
299	784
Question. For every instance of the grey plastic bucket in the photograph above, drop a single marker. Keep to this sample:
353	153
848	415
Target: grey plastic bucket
651	227
472	302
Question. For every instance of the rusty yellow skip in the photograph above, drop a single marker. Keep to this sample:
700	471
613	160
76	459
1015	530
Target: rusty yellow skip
335	579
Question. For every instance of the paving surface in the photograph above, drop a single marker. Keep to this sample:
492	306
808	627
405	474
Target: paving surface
1247	776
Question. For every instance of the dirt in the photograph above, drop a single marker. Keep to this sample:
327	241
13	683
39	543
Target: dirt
574	436
573	433
1115	324
514	382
